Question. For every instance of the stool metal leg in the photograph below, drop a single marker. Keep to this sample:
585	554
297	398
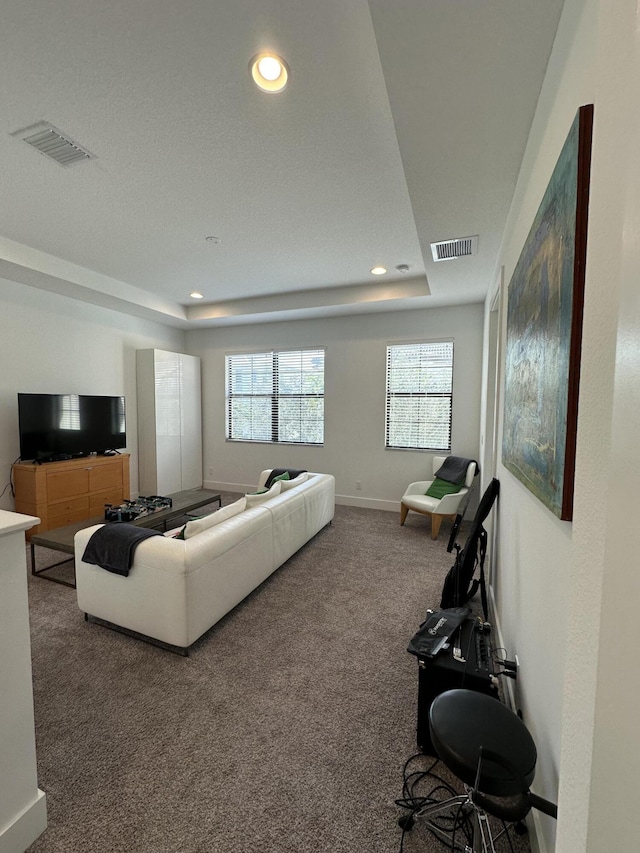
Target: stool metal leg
482	840
482	836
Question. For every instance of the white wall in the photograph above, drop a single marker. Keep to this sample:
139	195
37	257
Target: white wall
567	593
535	552
52	344
354	399
605	581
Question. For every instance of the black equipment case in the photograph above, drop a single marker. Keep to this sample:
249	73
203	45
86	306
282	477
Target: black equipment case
467	662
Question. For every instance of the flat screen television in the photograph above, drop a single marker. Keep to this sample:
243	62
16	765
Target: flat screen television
63	426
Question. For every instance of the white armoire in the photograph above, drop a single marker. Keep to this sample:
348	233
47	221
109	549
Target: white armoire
169	422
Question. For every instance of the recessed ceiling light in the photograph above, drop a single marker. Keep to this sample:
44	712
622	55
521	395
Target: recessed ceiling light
378	270
196	295
403	268
269	72
213	239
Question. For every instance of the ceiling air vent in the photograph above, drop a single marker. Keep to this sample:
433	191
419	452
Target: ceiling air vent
51	142
449	250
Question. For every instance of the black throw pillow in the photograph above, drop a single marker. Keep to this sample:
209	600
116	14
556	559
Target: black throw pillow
292	472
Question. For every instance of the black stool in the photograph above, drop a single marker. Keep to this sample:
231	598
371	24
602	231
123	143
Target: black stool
490	750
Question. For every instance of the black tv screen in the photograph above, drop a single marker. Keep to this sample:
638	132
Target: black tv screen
59	426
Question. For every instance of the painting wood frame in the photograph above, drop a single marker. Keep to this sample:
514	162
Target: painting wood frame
544	331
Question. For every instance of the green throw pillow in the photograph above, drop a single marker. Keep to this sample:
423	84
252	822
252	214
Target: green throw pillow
439	488
284	476
180	535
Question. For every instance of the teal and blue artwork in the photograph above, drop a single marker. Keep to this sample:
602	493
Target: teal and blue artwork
544	331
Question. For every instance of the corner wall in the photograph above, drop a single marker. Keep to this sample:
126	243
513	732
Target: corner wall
52	344
567	593
602	687
355	362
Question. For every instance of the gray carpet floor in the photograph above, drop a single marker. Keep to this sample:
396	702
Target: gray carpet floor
285	730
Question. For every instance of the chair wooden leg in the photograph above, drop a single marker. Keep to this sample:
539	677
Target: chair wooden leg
436	521
403	513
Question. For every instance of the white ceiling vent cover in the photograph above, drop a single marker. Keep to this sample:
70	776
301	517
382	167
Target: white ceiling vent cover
449	250
51	142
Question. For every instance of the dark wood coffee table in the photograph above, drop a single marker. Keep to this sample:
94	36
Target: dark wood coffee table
61	538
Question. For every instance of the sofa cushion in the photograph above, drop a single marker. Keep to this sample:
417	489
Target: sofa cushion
291	484
198	525
264	495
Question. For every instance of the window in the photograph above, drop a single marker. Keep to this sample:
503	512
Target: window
69	411
276	396
419	395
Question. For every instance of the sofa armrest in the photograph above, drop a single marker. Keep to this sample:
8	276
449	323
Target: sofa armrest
449	504
418	488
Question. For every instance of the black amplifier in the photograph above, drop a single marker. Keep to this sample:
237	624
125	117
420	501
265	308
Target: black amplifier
467	662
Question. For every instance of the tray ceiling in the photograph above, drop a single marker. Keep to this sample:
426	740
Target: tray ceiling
403	124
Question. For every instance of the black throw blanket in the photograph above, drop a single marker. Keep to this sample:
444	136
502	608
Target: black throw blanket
112	546
454	469
293	473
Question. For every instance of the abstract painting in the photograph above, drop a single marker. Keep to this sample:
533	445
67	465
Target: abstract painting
544	331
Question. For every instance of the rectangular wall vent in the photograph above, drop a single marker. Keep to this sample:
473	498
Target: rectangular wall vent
449	250
51	142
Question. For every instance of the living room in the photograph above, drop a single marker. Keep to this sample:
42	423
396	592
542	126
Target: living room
565	593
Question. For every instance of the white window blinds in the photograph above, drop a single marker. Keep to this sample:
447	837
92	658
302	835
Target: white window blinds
69	411
419	395
275	396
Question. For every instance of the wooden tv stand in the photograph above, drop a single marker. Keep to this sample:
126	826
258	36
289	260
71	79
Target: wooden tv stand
60	493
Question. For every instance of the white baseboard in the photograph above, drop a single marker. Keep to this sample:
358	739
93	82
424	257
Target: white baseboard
536	837
343	500
510	691
26	827
369	503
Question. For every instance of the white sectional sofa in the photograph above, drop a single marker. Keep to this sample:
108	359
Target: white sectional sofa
178	588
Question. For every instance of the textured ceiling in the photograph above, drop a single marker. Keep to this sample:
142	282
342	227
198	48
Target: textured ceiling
404	123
